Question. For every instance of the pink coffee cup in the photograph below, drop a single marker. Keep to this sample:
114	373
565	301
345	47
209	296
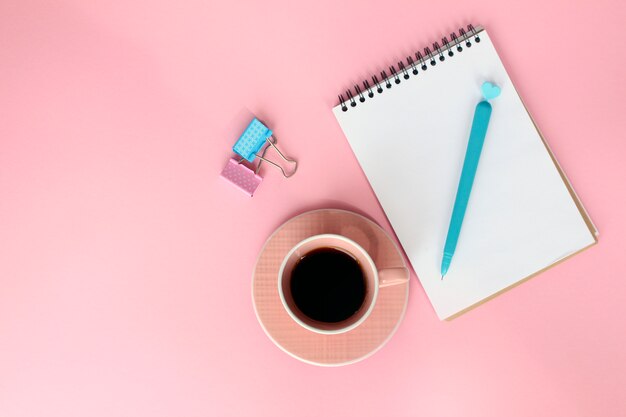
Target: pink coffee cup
373	277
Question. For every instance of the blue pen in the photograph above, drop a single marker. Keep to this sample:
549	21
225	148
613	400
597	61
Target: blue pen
482	114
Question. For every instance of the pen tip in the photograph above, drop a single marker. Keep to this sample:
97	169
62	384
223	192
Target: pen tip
442	277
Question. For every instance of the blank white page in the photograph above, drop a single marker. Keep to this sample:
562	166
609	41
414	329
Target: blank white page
410	141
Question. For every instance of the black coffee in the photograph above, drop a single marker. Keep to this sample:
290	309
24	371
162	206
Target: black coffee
328	285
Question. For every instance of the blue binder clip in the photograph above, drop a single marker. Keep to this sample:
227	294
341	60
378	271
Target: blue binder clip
255	137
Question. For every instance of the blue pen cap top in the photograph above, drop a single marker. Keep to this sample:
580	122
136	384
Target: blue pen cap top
252	140
490	90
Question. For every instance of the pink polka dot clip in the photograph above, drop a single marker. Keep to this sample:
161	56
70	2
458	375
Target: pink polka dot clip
241	177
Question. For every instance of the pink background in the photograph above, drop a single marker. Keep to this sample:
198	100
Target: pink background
125	261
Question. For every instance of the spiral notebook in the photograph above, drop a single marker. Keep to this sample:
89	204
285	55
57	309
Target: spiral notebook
409	127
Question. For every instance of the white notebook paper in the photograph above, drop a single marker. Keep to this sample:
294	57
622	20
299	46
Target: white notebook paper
410	140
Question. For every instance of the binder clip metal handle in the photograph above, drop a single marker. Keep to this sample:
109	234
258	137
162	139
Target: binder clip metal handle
253	139
272	143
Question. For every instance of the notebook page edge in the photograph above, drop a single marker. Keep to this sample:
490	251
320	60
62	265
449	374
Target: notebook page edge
592	227
515	284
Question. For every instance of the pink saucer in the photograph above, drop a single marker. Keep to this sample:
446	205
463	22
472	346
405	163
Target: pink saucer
322	349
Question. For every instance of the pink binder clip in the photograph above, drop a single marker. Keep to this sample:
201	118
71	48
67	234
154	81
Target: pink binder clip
241	176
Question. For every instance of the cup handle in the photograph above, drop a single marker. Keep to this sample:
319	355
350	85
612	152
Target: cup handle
392	276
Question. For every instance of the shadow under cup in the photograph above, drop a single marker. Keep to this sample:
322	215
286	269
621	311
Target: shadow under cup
370	280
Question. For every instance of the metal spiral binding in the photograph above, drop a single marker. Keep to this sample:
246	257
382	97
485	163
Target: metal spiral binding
439	52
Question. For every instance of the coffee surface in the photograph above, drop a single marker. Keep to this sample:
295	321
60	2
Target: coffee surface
328	285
